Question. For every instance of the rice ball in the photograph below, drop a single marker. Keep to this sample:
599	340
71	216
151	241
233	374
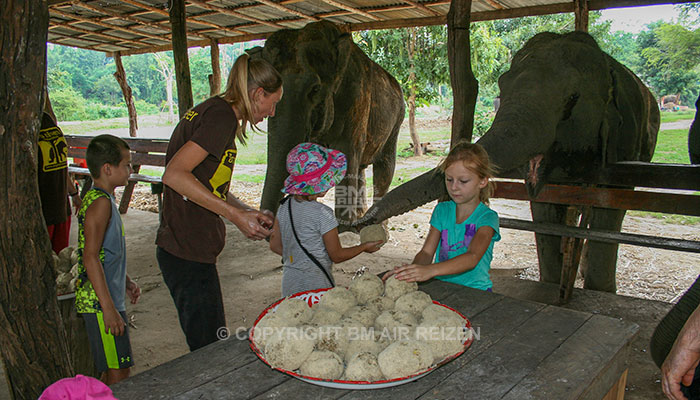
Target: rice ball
404	358
395	324
325	316
434	311
287	349
322	364
364	343
363	367
381	303
332	338
413	302
366	287
267	326
362	314
394	288
296	311
445	336
373	233
339	299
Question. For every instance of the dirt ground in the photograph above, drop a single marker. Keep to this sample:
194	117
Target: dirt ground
649	280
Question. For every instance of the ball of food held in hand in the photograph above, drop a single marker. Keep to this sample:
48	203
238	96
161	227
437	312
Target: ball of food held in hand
373	233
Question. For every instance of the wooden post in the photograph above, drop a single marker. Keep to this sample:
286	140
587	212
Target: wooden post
32	339
182	64
215	76
581	15
571	254
464	84
126	92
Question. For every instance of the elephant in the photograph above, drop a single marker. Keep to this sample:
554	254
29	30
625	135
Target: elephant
334	95
566	107
694	136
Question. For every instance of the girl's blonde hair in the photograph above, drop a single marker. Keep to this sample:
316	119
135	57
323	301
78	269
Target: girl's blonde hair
249	74
475	159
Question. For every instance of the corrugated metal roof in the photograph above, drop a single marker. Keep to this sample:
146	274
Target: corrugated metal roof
141	26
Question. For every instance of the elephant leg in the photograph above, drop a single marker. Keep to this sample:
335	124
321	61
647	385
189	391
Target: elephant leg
599	259
549	251
667	330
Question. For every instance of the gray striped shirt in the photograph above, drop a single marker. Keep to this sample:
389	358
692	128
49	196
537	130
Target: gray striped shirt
311	221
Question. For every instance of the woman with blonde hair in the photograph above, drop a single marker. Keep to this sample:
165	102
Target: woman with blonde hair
200	160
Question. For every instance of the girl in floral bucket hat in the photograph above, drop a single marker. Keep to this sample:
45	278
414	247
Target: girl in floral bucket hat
305	232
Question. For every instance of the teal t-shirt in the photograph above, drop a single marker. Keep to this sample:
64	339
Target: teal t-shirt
455	239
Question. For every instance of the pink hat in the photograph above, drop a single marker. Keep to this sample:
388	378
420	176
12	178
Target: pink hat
313	169
79	388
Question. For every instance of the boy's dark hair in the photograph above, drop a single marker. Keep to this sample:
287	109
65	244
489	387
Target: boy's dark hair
104	149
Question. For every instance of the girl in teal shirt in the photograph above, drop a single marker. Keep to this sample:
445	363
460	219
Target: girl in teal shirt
463	230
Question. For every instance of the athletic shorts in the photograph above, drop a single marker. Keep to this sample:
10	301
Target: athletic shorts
108	351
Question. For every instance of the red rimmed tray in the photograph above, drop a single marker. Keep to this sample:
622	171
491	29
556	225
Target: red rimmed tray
314	296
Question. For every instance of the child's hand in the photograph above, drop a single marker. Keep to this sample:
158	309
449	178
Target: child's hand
389	273
114	323
133	291
413	273
371	247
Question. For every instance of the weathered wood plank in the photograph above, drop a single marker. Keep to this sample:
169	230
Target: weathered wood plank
593	348
620	199
241	383
180	375
602	236
295	389
490	325
497	370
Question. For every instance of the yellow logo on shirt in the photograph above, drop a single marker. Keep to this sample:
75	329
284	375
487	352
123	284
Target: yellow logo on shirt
54	150
189	115
221	179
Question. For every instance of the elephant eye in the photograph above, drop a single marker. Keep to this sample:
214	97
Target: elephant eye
570	103
314	90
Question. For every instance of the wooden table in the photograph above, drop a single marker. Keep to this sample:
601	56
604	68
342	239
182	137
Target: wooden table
523	350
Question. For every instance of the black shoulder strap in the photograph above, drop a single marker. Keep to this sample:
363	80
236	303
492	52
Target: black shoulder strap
311	257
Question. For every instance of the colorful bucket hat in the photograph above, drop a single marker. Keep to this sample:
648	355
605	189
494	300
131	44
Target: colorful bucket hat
313	169
79	388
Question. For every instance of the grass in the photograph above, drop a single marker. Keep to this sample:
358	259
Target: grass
672	147
670	116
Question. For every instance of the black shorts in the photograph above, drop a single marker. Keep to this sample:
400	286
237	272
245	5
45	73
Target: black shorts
108	351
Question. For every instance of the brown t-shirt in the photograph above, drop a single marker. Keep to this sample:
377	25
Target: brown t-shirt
53	172
188	230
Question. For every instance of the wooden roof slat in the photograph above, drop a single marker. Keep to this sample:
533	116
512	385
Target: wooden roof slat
496	4
236	14
351	9
422	7
96	33
280	7
105	25
130	17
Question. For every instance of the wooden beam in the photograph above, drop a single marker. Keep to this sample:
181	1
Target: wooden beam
602	235
215	76
202	43
581	15
233	13
182	64
351	9
464	85
619	199
495	4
